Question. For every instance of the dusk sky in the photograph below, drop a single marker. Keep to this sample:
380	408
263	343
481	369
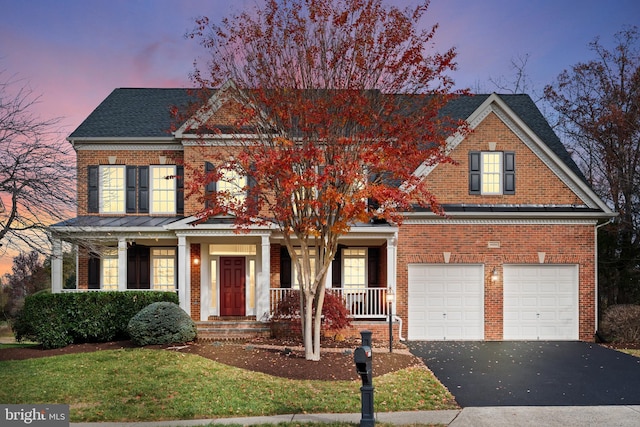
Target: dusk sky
73	53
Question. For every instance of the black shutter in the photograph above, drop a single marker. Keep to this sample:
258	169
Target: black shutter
130	184
210	188
94	272
373	263
143	189
509	173
285	268
336	269
138	267
180	189
92	185
475	177
144	267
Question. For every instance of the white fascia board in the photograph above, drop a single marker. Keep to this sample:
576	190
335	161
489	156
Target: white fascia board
512	215
593	199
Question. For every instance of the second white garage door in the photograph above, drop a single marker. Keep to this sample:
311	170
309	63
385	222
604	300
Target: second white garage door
540	302
446	302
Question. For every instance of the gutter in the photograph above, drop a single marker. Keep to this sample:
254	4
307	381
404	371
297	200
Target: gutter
598	227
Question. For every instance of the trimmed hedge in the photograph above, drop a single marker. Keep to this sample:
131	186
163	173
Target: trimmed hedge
161	323
57	320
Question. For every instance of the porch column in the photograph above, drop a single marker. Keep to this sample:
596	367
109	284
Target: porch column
184	269
392	259
263	281
56	267
122	264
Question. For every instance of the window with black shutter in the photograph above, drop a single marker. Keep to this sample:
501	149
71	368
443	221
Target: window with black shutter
492	172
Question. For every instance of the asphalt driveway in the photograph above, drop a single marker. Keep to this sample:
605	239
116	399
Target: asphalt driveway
539	373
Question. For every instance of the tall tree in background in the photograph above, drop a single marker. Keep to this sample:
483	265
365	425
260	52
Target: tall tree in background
599	109
27	277
37	180
341	98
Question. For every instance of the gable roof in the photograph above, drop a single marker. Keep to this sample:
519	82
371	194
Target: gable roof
132	113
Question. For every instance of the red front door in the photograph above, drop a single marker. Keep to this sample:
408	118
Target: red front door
232	286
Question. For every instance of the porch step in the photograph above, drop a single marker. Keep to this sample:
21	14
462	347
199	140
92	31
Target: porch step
226	330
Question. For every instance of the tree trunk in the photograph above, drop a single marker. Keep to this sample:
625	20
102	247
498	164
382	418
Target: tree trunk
310	352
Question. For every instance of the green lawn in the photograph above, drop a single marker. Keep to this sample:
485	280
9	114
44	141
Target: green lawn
148	385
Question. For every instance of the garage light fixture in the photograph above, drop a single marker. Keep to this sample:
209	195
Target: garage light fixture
494	274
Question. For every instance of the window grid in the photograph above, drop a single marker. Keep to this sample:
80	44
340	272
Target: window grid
110	270
312	254
164	269
233	183
354	265
491	173
163	189
112	187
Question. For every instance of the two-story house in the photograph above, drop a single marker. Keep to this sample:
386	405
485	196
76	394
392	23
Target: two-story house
514	259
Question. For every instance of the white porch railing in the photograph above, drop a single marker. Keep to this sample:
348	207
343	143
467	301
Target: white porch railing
361	302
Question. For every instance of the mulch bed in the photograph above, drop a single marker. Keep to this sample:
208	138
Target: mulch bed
273	357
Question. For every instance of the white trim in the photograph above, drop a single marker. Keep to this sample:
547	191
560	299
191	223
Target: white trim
472	221
495	104
153	191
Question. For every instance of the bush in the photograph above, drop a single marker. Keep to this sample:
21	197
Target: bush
286	319
621	323
161	323
57	320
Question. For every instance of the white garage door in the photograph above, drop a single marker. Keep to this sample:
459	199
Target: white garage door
540	302
446	302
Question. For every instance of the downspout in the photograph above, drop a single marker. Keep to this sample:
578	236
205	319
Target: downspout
399	320
598	227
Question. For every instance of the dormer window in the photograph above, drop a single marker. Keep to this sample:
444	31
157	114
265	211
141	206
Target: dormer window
492	172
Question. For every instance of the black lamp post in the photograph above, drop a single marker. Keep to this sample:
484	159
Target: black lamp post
390	303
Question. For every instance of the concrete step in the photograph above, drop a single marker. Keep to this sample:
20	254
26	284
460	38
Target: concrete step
215	330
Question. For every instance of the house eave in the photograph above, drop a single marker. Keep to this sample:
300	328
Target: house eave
540	214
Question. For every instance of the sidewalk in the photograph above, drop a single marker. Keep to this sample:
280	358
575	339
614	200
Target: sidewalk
522	416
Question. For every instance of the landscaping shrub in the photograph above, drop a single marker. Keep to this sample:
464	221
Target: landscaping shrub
161	323
57	320
621	323
285	321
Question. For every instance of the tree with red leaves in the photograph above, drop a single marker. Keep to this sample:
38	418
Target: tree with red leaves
337	105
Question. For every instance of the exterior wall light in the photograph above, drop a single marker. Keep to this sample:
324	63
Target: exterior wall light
494	275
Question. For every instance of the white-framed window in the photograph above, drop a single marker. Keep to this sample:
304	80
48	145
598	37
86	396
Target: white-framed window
109	271
163	189
354	268
491	172
234	184
491	165
163	269
112	189
313	261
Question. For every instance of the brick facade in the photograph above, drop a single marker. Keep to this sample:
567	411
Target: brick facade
519	244
87	158
540	180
